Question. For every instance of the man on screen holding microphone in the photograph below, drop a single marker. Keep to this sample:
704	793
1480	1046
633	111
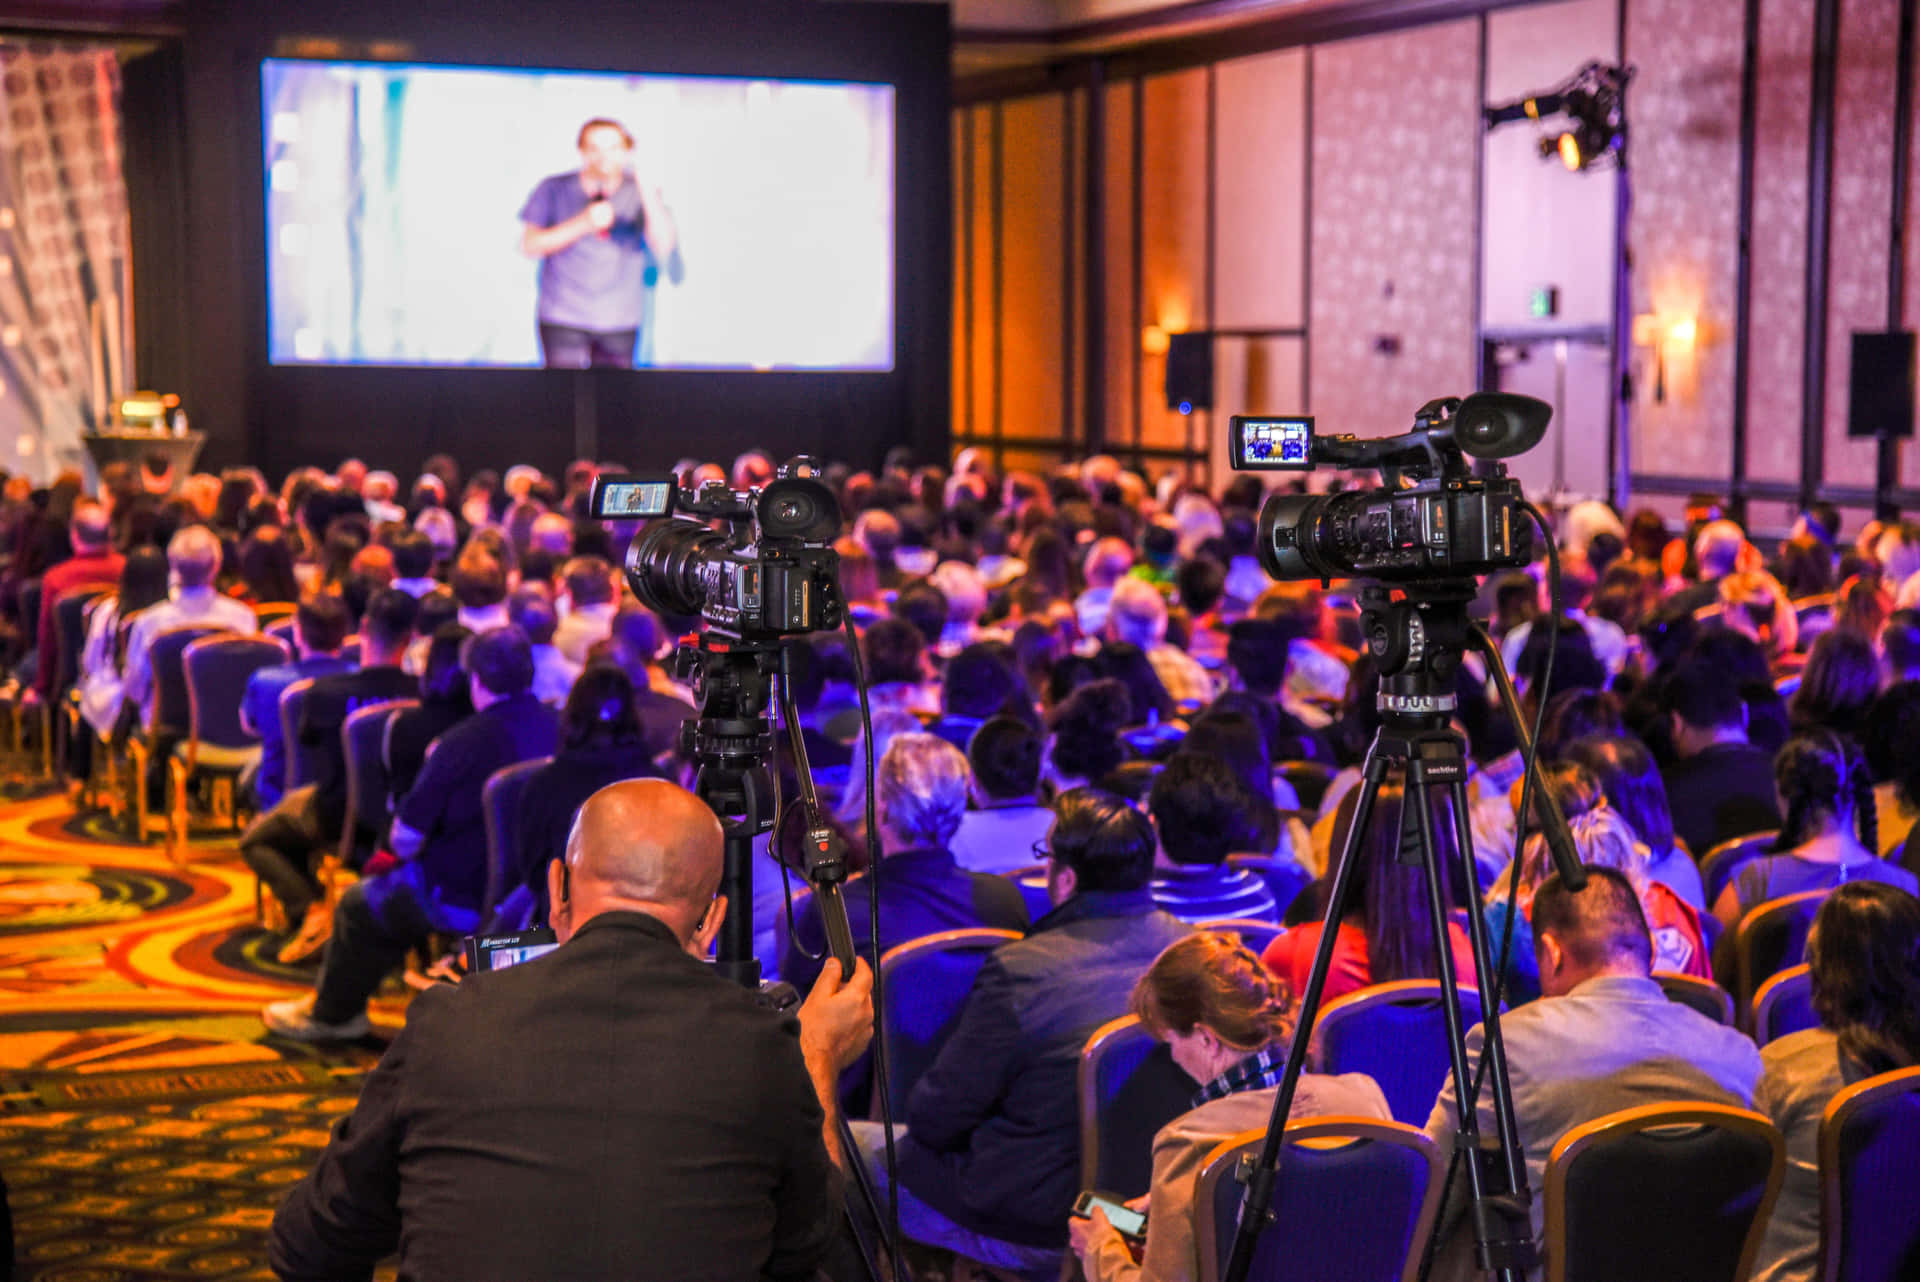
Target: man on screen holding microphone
595	230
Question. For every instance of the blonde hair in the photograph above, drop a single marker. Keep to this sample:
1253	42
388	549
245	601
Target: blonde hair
1214	979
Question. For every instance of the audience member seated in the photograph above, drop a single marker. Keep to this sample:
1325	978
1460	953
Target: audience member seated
1007	821
1607	640
1718	550
1386	932
1900	647
1890	740
636	644
1202	813
1623	768
413	564
436	610
1232	736
1722	786
1259	654
591	599
553	672
93	567
1201	584
600	744
1837	686
143	582
444	702
1605	1037
1083	735
1228	1023
965	593
479	583
266	568
1827	838
1864	956
1137	615
978	684
1107	563
920	795
924	606
438	837
320	628
990	1161
193	557
283	845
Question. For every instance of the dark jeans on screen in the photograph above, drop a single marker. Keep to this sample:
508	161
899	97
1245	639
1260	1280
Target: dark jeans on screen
565	347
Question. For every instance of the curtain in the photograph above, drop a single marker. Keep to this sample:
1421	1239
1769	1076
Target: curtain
64	288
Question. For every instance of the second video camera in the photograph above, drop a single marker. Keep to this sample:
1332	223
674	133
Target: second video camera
755	565
1433	518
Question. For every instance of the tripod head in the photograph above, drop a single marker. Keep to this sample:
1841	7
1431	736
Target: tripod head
1418	635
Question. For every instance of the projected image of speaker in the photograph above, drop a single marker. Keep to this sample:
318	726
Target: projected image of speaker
1189	383
1880	387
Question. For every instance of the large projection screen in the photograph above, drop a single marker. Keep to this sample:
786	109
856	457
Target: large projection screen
749	223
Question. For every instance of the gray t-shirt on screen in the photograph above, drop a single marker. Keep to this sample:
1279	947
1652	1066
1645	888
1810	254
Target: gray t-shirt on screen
597	282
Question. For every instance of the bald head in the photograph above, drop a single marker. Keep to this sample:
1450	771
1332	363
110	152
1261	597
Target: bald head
643	845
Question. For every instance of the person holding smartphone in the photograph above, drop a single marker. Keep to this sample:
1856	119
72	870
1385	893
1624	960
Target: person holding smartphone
1228	1023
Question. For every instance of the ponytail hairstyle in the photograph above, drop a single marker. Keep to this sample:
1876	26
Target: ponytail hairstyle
1864	955
1822	773
1215	980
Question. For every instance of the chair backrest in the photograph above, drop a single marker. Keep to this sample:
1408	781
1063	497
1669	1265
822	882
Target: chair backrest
1032	882
283	629
217	671
69	636
1662	1191
172	708
500	811
1869	1199
1129	1087
1705	996
927	982
1784	1004
270	613
361	736
1397	1035
1355	1199
1284	878
1309	780
1132	779
1252	932
303	759
1770	938
1721	862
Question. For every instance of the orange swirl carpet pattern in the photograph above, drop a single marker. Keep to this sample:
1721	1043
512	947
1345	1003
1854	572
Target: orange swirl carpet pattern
148	1125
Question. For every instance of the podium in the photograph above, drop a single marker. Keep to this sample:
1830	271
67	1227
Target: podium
133	448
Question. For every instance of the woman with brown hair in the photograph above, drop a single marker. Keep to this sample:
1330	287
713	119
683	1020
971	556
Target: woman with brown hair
1228	1023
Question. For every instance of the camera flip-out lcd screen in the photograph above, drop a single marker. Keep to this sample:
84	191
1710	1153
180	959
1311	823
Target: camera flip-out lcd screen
633	499
1274	444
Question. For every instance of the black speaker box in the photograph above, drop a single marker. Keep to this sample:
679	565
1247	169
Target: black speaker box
1880	385
1190	371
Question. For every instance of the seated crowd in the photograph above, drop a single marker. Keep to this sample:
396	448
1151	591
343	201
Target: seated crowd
1095	723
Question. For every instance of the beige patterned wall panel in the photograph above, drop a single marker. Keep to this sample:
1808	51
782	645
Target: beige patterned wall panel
1776	333
1122	338
1684	106
1861	207
1032	231
1173	235
1396	128
1260	192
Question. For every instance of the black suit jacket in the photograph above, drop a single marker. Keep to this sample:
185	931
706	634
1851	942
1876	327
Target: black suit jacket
613	1109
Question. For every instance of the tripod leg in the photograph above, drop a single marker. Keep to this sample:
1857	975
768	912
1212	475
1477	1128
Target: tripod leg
1494	1050
1492	1235
1256	1206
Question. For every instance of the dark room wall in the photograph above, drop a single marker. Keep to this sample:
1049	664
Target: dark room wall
214	352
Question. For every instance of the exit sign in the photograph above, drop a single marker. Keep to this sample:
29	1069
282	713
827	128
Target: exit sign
1544	302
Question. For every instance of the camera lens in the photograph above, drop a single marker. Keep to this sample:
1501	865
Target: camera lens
1294	543
798	508
666	565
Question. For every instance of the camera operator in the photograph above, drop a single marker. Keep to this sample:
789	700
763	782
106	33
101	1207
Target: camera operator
612	1109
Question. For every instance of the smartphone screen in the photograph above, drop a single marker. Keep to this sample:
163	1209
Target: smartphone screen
1129	1222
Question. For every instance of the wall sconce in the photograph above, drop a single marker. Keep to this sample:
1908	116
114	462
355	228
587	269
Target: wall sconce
1154	340
1673	337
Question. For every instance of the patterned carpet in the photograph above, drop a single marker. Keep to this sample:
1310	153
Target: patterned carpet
147	1123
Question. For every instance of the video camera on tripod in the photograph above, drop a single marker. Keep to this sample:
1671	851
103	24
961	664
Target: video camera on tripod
1417	543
